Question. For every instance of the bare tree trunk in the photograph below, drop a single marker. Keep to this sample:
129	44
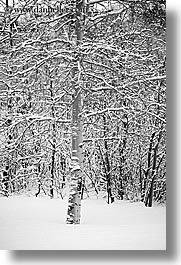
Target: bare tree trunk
149	198
74	201
53	144
122	151
107	165
149	195
53	163
145	180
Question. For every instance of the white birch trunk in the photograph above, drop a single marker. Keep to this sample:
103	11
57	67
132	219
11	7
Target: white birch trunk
74	202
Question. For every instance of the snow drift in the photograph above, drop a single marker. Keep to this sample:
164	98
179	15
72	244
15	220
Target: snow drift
28	223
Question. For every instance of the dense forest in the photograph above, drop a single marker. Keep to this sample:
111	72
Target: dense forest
83	100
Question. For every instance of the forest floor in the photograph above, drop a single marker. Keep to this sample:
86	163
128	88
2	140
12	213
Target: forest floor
30	223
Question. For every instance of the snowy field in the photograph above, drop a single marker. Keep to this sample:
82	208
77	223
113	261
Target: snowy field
30	223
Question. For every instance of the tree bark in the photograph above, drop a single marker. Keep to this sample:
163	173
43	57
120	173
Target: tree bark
145	180
149	198
53	144
107	171
74	201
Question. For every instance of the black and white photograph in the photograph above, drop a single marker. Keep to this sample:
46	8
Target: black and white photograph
83	125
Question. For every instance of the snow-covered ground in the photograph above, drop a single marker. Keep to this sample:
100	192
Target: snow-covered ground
30	223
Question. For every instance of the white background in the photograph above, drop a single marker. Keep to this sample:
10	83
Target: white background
173	254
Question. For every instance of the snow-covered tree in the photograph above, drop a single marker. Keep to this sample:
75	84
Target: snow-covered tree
83	100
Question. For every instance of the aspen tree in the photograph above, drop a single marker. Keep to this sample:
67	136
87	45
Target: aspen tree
74	201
